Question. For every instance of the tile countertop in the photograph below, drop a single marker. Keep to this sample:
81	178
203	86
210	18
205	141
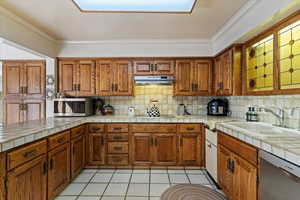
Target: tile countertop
19	134
285	145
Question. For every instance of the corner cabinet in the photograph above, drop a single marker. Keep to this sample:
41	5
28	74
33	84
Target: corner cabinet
76	77
114	78
237	168
228	72
193	77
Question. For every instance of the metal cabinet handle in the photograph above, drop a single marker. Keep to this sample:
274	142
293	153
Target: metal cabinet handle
155	141
29	153
117	137
118	148
51	163
117	128
113	87
60	140
116	87
232	166
155	67
45	168
78	87
189	129
151	141
181	141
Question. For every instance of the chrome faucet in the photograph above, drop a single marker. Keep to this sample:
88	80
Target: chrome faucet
279	114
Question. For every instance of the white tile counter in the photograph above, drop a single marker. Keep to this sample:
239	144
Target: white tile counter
19	134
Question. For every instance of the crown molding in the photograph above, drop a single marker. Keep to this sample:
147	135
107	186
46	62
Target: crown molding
137	42
21	21
241	12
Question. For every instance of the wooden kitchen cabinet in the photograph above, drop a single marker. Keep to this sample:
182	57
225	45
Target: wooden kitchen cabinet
142	148
24	79
77	77
59	170
193	78
114	78
28	181
3	176
237	168
77	155
96	149
163	67
228	72
165	149
190	149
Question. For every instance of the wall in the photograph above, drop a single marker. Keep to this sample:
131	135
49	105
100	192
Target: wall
149	48
167	103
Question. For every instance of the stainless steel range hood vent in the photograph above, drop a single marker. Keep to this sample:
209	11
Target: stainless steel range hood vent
155	80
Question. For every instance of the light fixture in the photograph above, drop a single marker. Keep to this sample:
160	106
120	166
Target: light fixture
136	6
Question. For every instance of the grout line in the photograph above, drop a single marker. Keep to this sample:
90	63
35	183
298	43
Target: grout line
108	183
85	185
129	182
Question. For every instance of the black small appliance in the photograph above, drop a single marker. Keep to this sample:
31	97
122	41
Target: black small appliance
218	107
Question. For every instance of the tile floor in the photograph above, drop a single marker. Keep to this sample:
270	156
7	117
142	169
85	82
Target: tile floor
130	184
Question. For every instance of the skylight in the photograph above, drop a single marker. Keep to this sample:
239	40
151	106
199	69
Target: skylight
177	6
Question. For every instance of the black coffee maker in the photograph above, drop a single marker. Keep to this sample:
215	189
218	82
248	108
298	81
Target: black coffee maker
218	107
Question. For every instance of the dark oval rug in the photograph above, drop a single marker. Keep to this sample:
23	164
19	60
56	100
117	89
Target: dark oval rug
191	192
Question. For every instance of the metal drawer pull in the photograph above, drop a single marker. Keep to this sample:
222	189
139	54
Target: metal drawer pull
117	128
189	129
96	129
117	159
117	138
118	148
61	140
29	153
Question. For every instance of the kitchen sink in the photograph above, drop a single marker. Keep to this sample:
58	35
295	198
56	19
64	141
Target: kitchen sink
259	129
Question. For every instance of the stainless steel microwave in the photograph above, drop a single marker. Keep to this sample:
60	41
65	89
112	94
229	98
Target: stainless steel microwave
73	107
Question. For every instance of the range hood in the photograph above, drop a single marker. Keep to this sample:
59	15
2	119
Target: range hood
157	80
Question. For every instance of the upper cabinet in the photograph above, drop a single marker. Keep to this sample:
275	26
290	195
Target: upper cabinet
228	72
24	79
76	78
272	60
114	78
154	67
193	77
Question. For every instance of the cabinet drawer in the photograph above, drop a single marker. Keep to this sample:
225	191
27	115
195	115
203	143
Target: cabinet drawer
189	128
117	136
96	128
244	150
59	139
117	128
25	154
116	159
150	128
117	147
77	131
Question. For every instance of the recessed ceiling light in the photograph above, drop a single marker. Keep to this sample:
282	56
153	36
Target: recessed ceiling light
161	6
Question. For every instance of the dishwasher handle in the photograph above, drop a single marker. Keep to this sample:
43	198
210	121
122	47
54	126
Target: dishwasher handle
290	175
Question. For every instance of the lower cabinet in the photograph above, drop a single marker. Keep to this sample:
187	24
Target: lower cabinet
142	148
29	181
96	149
59	170
237	174
165	149
190	149
77	155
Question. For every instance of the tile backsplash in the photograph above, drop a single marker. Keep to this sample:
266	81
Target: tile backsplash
166	102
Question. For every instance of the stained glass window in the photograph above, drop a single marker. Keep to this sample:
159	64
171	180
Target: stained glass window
259	65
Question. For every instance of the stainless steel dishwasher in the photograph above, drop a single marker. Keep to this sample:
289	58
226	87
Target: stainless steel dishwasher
279	179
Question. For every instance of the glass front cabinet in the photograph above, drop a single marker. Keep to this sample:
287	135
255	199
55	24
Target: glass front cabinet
272	61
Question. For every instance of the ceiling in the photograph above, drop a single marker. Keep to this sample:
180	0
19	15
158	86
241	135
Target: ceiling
62	20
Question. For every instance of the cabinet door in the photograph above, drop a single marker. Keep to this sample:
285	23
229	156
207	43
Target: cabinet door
59	170
3	176
142	148
104	78
96	149
225	177
211	159
13	112
244	179
34	109
29	181
227	73
143	67
123	78
164	67
85	78
190	149
202	77
183	83
218	76
34	78
12	79
77	156
67	77
165	149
